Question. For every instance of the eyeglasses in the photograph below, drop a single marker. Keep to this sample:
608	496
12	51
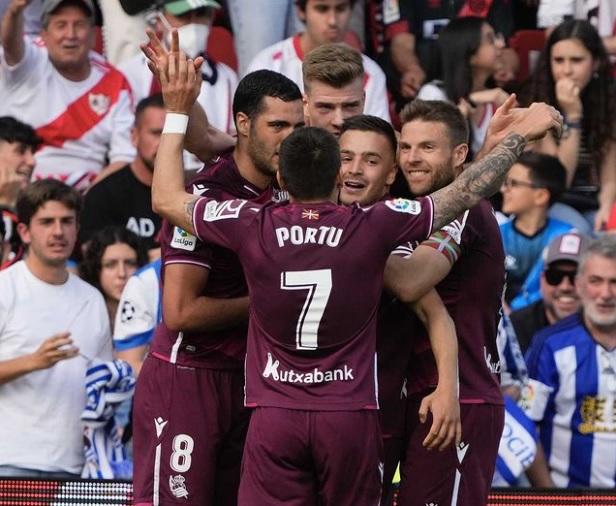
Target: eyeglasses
554	277
516	183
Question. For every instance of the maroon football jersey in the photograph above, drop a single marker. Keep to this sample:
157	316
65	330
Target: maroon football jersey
222	349
472	293
315	274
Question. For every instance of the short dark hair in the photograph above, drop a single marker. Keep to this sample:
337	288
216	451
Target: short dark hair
91	265
309	163
254	87
13	130
155	100
37	194
301	4
437	111
367	123
336	65
545	171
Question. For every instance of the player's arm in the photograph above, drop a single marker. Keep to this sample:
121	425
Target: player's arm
51	351
181	87
134	356
443	402
539	473
484	177
12	30
185	308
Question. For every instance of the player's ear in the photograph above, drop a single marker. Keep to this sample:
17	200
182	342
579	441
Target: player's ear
24	233
243	124
459	154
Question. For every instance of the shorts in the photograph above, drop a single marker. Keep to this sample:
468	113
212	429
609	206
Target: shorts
309	458
459	475
189	430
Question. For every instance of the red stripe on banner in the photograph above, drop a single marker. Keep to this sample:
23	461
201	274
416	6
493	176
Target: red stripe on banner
87	111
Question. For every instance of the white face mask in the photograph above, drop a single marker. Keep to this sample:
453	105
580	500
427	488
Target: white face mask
193	37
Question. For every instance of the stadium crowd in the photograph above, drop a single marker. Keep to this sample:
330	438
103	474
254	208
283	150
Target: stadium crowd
352	251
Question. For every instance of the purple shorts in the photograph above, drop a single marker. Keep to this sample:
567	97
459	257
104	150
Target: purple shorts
459	475
189	431
309	458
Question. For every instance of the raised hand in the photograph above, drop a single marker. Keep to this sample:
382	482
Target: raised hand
17	6
180	78
52	350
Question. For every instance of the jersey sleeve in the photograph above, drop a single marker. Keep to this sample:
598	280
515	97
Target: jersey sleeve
402	221
544	376
137	314
225	223
180	247
30	67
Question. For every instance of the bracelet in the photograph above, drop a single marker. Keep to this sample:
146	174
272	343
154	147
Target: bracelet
175	123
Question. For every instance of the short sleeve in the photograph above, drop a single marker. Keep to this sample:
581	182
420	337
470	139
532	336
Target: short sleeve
401	221
137	314
225	223
180	247
30	67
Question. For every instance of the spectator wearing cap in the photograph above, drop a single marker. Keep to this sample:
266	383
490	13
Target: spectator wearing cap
80	106
559	297
575	360
18	142
192	19
532	185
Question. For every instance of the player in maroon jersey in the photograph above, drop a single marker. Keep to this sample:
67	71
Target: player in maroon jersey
368	148
310	355
189	443
433	147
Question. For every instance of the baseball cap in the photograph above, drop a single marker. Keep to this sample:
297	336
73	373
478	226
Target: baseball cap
51	5
179	7
568	246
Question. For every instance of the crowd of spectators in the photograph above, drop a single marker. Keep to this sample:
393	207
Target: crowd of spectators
81	117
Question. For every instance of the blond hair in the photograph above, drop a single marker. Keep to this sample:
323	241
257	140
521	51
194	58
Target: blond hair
336	65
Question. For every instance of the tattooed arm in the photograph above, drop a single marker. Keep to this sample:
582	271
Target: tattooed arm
484	177
481	179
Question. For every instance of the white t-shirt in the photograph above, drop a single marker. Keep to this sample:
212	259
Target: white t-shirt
433	91
39	412
216	97
83	124
286	57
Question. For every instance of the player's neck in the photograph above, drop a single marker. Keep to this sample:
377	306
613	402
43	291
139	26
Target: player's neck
333	198
52	274
307	43
249	171
530	222
75	73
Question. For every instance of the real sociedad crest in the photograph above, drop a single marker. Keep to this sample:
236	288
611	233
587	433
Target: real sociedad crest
99	103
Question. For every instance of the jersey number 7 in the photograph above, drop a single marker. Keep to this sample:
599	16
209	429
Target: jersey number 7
318	283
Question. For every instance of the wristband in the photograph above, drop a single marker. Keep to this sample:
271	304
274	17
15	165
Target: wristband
573	125
175	123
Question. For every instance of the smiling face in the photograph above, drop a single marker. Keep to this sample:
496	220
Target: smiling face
69	37
426	157
16	161
368	167
569	58
596	286
558	292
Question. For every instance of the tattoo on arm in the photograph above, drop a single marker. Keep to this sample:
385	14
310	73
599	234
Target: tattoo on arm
480	179
189	207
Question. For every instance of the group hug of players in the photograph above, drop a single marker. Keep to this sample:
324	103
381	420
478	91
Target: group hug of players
312	390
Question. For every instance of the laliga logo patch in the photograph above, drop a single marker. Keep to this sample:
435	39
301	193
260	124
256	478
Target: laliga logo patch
99	103
183	240
404	206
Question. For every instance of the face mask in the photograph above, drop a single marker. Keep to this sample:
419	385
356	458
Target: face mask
193	38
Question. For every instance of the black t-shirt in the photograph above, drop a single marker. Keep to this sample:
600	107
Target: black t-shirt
121	200
527	322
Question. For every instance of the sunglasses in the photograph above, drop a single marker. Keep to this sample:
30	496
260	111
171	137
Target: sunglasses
554	277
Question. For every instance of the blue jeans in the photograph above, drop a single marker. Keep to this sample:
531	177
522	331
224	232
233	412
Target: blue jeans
259	24
19	472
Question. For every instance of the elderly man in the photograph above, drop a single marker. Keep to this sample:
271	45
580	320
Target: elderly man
575	360
79	105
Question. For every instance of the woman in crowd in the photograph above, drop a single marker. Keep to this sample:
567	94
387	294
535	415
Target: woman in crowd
111	257
470	55
573	76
